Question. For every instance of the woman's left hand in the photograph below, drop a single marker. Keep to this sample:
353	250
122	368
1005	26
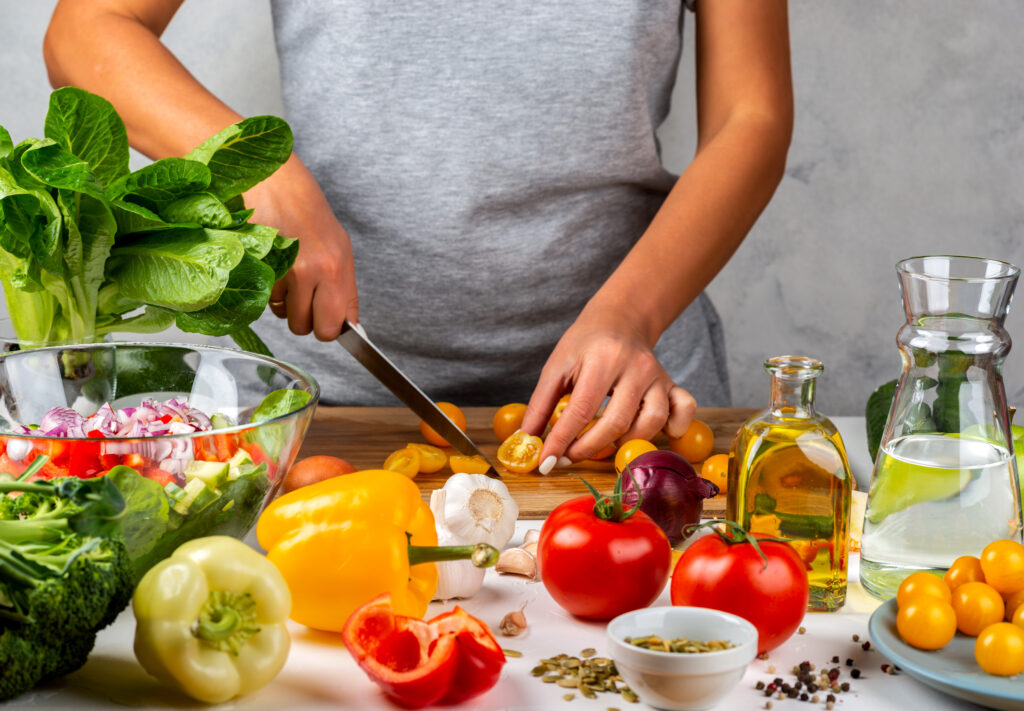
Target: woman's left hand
604	354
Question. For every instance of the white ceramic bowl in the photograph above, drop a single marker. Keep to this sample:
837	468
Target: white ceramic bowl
681	682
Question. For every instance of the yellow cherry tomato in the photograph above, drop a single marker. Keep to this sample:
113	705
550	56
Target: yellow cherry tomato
508	419
977	605
696	443
922	583
1018	616
630	451
405	461
999	649
1003	564
1013	602
432	459
926	622
455	414
965	569
520	453
462	464
716	470
559	406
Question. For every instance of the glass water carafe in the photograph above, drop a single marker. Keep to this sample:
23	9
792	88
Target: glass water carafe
945	481
789	477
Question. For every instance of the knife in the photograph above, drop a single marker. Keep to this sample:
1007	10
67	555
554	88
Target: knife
354	339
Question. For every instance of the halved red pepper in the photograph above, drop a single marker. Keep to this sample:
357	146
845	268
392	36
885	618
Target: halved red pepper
449	659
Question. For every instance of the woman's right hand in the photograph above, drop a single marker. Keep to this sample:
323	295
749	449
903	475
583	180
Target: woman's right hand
319	292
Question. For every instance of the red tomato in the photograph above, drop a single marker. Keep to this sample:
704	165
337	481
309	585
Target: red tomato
732	577
598	569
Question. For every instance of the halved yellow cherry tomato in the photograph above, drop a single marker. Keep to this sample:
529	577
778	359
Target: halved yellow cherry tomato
630	451
716	470
696	443
1003	564
405	461
999	649
559	406
520	453
926	622
922	583
965	569
508	419
461	464
455	414
432	459
977	605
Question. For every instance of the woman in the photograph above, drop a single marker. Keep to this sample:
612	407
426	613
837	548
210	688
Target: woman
490	173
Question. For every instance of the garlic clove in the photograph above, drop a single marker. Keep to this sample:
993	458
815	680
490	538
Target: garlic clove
518	561
531	536
514	623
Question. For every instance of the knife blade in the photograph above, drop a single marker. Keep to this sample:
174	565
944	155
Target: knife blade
356	342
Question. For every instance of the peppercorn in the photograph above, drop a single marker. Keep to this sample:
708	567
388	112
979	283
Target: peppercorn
866	646
793	693
759	686
849	662
856	638
805	666
835	660
855	673
812	687
804	697
845	686
830	697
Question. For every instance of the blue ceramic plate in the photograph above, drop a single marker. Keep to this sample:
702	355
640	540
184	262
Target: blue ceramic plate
951	670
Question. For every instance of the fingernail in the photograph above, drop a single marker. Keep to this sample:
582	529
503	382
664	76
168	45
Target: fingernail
548	464
564	462
359	327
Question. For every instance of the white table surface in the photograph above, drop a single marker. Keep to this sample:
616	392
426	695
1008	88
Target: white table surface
320	674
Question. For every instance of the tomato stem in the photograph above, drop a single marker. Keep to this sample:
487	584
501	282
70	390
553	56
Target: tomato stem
732	533
609	508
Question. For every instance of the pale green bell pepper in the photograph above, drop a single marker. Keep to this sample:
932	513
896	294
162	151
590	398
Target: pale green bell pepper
211	619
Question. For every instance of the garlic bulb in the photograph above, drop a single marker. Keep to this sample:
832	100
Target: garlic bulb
479	509
455	578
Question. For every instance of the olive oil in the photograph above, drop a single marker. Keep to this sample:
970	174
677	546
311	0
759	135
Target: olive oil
789	478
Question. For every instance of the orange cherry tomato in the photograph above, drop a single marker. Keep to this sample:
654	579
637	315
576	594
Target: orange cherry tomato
926	622
716	470
508	419
630	451
965	569
405	461
608	450
455	414
1018	616
1003	564
1013	602
559	406
922	583
432	459
696	443
999	649
977	605
520	453
461	464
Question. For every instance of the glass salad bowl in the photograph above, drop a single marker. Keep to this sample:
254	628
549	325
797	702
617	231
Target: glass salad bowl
196	438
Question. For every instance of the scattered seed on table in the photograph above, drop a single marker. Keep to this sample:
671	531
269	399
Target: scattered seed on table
512	653
771	669
856	638
629	696
802	630
588	652
568	697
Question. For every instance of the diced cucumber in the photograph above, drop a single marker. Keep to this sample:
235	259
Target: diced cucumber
213	474
239	460
192	489
220	422
174	493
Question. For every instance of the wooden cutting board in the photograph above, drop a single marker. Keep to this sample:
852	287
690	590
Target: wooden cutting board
365	436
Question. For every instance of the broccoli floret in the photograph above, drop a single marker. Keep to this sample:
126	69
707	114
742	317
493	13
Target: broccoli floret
63	577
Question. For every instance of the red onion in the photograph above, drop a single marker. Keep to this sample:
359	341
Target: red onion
672	491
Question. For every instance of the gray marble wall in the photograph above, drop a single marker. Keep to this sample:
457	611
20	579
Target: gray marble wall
909	140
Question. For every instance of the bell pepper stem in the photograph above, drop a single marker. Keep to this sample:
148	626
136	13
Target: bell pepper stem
482	555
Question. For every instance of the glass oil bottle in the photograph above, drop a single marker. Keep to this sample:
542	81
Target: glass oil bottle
789	477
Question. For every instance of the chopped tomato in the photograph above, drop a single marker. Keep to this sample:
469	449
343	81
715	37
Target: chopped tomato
405	461
520	453
462	464
160	476
133	460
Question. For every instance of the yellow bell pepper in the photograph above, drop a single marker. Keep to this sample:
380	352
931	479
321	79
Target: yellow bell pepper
211	619
343	541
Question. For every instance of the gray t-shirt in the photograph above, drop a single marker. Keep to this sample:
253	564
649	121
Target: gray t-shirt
493	162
